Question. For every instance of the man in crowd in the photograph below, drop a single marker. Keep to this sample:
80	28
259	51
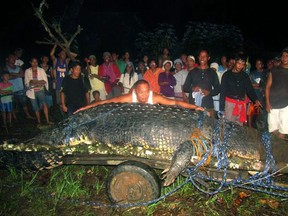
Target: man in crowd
235	86
276	94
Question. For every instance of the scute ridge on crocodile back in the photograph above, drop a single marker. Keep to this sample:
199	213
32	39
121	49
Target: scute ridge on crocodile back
121	122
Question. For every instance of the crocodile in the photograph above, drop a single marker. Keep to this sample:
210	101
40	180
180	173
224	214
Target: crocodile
176	136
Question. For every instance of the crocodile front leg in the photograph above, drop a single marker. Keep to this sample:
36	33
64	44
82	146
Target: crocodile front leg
180	160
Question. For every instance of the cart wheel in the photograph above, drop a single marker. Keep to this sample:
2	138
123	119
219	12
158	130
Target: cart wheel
132	182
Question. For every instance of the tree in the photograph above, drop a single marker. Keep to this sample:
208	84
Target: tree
217	38
57	36
152	43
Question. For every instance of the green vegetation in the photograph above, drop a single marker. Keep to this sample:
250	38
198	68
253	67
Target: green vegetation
80	190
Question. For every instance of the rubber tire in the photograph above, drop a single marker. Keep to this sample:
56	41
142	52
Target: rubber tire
132	182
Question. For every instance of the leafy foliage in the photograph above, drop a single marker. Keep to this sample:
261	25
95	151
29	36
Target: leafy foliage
152	43
217	38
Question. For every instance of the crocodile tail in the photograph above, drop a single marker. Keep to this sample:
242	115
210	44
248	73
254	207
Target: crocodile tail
30	161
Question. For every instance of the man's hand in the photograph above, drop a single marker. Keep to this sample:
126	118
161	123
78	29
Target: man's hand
205	92
220	114
257	104
87	60
196	89
105	78
268	107
199	108
80	109
164	83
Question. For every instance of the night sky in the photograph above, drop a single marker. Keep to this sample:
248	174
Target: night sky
262	23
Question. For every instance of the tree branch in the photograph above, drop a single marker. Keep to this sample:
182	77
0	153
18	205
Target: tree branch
79	29
45	42
58	37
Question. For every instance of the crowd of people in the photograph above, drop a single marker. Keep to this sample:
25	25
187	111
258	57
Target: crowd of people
228	88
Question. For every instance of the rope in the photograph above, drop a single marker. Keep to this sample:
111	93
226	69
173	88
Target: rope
217	147
261	182
263	179
70	127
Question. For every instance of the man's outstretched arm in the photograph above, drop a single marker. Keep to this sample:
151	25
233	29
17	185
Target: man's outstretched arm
166	101
120	99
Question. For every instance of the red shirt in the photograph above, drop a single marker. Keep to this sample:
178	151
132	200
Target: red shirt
112	71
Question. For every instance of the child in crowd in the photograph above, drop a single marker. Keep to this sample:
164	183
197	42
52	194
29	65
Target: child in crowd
6	89
96	96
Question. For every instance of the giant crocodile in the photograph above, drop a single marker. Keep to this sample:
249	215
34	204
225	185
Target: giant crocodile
176	136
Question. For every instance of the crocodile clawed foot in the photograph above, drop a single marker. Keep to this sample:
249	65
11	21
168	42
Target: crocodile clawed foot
168	177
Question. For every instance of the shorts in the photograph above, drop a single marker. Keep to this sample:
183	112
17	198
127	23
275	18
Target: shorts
278	120
229	107
49	100
6	107
39	100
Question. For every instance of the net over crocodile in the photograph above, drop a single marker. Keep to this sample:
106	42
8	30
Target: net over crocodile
155	132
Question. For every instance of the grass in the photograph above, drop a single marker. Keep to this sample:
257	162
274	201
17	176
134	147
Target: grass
60	190
26	185
13	174
66	184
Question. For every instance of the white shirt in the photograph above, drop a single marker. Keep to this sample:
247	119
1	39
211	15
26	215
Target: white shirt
124	79
41	75
180	80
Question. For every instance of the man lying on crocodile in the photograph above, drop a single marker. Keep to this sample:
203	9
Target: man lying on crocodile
141	93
